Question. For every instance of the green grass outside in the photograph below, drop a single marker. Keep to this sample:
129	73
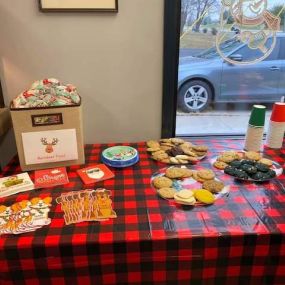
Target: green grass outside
197	40
201	40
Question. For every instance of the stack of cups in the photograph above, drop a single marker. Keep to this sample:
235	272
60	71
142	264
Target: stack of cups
276	129
254	135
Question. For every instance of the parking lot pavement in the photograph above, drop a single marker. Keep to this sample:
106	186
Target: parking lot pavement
214	122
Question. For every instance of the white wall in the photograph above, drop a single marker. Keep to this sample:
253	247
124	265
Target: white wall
115	60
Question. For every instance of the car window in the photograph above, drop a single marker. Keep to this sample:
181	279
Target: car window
226	47
249	54
282	48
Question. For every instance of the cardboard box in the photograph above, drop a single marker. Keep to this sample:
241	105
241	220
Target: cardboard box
49	137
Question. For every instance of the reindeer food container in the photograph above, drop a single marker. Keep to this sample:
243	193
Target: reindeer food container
120	156
47	121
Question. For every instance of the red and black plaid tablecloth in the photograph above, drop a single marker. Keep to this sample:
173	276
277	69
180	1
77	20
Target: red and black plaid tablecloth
238	240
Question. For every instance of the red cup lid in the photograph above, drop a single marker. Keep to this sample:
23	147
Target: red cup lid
278	112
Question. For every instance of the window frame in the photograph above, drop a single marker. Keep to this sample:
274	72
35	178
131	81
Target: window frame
172	14
2	104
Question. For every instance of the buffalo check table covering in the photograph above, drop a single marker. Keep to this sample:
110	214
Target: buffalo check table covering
238	240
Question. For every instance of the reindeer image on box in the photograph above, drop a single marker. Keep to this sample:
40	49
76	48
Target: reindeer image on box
47	122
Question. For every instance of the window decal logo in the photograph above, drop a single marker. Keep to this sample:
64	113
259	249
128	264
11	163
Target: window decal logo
251	24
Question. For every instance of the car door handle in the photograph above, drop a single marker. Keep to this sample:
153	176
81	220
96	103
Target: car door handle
274	68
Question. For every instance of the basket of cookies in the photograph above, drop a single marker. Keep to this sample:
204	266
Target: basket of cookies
248	166
176	151
188	187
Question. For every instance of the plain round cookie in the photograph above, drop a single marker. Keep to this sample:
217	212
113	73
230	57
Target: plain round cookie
200	148
165	160
153	149
200	153
266	161
165	140
231	152
166	192
189	201
188	151
252	155
213	186
177	141
174	160
160	156
226	157
187	173
165	147
174	172
186	144
197	177
185	194
206	174
152	144
162	182
220	164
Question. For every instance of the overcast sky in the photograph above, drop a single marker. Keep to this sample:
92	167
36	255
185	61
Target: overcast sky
215	13
272	3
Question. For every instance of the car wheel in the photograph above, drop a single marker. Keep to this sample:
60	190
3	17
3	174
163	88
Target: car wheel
194	96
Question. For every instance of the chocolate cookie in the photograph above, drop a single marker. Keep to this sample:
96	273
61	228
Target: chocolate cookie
240	174
248	161
271	173
175	151
230	170
262	167
235	163
259	176
250	169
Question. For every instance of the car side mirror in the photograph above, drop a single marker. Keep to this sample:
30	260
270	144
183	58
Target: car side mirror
236	57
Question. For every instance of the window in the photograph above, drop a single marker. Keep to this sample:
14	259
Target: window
251	54
1	97
213	96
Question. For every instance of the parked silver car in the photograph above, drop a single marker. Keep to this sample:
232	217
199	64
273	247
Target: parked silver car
207	78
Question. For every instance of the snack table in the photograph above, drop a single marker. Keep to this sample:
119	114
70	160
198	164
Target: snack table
238	240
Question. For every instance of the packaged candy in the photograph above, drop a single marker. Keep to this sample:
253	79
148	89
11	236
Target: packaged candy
47	93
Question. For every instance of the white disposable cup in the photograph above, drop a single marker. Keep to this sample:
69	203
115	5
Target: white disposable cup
275	134
253	138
